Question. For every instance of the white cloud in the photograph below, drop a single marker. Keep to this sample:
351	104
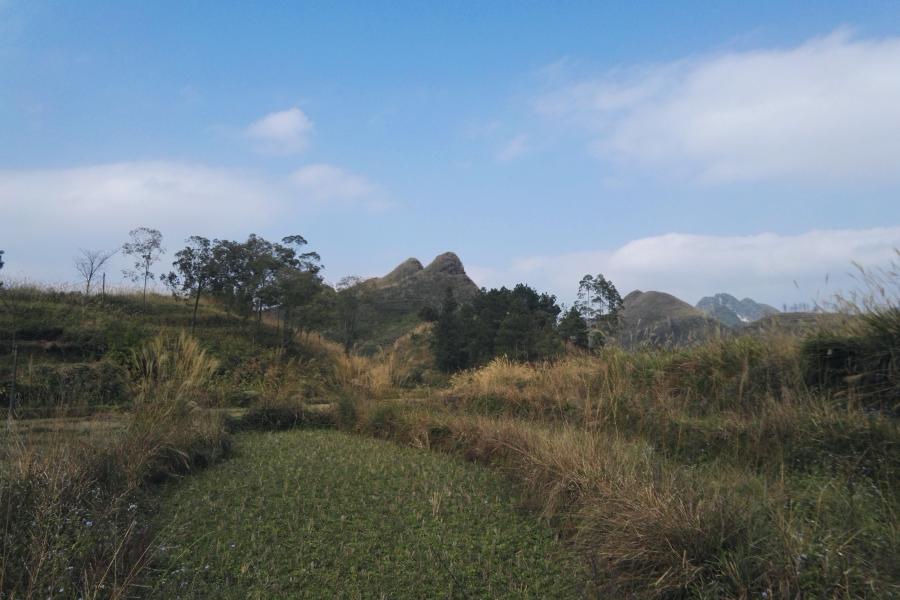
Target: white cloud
519	145
825	110
325	182
764	267
136	191
48	214
285	132
329	185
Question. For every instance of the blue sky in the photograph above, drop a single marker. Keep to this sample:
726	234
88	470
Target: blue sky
694	147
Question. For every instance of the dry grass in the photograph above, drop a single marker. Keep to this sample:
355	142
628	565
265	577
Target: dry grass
709	472
379	376
73	502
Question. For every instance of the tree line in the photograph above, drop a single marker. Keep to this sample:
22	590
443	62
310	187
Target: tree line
249	278
257	277
521	324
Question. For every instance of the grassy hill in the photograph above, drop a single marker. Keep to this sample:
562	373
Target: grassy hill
795	323
78	351
660	319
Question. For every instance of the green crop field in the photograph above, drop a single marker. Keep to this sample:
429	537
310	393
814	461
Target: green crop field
314	514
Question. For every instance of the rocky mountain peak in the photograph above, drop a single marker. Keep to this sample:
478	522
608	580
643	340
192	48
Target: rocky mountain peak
447	263
732	311
405	270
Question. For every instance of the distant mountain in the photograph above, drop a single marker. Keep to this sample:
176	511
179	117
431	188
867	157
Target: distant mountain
414	286
405	290
734	312
662	319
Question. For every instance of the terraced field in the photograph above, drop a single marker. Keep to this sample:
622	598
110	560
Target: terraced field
316	514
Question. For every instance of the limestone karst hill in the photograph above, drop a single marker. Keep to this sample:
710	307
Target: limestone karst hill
404	291
659	318
412	286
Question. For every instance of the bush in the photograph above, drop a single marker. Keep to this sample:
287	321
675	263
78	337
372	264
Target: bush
76	389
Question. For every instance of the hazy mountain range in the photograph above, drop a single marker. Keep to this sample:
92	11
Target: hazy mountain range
734	312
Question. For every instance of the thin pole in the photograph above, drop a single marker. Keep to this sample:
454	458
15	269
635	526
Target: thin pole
103	293
12	388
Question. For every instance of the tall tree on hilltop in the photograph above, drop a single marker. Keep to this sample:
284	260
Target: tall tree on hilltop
146	249
448	338
573	329
599	303
299	289
196	272
299	295
257	275
518	323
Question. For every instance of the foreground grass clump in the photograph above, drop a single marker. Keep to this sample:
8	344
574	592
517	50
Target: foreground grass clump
74	502
74	497
314	514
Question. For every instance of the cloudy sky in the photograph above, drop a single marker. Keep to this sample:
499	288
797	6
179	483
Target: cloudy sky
692	147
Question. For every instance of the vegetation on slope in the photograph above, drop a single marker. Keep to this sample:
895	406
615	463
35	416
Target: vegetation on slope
75	513
717	471
738	466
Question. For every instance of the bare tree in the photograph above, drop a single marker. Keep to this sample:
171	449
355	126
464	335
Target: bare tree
90	263
146	248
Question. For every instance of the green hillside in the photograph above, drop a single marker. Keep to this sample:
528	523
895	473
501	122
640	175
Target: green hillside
79	350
